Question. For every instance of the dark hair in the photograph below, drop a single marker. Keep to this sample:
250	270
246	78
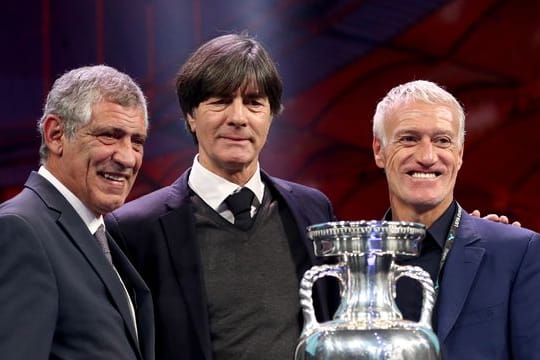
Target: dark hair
223	65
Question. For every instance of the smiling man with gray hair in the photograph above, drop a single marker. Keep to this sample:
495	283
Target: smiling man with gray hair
66	289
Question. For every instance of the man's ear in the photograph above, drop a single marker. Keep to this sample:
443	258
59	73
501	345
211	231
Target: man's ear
191	122
378	153
460	160
53	134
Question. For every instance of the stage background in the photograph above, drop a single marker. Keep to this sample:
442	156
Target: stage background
337	59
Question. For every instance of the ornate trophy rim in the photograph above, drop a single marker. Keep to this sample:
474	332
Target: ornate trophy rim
366	236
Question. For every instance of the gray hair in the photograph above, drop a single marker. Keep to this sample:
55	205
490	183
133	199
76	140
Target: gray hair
74	93
418	90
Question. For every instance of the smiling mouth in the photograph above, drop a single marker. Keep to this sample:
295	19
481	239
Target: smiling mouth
423	175
113	177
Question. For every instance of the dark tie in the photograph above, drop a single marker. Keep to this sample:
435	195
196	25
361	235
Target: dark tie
101	237
240	205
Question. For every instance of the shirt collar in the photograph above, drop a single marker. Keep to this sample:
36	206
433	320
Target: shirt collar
90	220
439	229
213	189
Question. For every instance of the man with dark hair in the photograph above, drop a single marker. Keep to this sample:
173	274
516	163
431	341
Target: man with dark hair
223	248
66	289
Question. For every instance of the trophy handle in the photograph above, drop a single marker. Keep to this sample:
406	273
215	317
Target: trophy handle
428	293
306	291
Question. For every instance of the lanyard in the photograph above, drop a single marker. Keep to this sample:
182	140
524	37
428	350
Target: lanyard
448	246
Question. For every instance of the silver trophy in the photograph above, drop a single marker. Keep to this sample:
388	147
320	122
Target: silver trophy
367	324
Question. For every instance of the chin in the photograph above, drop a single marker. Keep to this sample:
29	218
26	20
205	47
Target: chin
111	205
237	164
427	204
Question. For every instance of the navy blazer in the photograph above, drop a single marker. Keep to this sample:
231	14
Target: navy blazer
489	303
59	296
158	231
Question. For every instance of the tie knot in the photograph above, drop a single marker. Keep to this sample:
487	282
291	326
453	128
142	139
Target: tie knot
101	238
240	201
100	232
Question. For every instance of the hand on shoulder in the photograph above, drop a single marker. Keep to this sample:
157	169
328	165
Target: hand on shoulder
496	218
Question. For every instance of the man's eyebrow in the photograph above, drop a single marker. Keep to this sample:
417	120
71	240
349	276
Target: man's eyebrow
140	137
407	131
253	95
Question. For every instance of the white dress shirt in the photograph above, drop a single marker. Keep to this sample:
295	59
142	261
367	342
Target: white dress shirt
213	189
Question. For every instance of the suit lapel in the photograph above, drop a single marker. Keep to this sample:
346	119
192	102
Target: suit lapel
179	229
304	216
141	300
293	203
76	230
87	245
302	219
460	270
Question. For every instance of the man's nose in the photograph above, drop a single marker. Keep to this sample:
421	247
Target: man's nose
237	112
125	154
426	153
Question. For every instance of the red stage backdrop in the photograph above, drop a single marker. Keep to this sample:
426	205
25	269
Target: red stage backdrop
337	58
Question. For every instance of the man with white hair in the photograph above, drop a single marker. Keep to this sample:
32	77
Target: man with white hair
486	274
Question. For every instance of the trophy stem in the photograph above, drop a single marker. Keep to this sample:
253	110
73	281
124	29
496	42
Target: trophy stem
369	298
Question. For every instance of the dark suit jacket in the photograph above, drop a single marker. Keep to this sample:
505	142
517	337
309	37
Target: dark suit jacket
59	296
489	304
159	233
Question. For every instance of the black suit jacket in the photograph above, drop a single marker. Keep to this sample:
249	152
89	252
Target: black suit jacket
158	231
59	296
